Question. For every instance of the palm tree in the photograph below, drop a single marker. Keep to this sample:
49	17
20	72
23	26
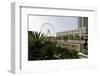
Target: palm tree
35	43
37	36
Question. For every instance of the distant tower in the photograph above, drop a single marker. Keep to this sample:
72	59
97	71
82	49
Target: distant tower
82	22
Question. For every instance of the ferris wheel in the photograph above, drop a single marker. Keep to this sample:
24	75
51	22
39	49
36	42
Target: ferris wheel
47	29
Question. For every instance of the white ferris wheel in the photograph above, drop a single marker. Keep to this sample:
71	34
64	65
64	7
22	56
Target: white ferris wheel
47	29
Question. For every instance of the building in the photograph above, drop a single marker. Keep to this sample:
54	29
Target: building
82	29
74	37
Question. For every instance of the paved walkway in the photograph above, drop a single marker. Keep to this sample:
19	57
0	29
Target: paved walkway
81	55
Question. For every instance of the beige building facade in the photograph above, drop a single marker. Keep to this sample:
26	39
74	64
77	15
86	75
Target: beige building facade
81	31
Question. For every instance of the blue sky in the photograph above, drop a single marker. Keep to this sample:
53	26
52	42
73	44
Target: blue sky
60	23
